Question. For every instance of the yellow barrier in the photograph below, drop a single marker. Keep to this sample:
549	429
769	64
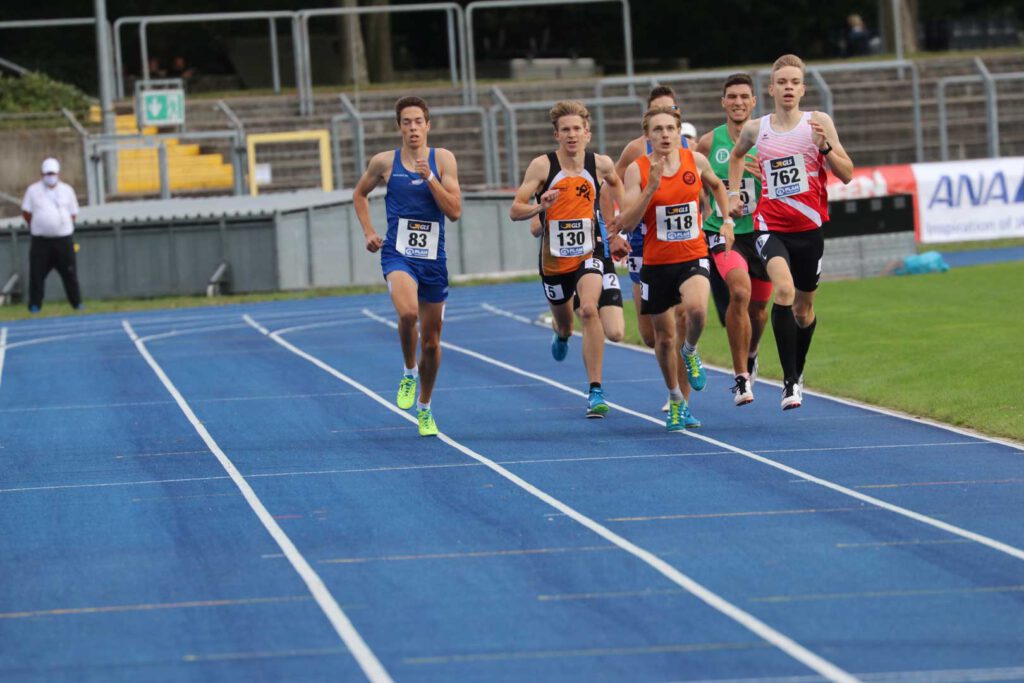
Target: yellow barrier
321	136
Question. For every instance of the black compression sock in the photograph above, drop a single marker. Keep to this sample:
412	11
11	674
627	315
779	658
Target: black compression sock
784	325
595	385
803	344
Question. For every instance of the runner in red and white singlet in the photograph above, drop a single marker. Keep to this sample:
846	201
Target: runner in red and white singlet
793	196
794	148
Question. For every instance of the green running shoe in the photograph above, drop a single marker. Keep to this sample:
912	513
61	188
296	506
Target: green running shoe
674	419
406	392
427	425
694	370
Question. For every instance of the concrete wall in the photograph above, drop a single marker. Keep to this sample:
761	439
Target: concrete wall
324	247
23	150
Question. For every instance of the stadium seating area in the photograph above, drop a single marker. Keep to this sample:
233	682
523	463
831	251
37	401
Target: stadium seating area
188	167
873	110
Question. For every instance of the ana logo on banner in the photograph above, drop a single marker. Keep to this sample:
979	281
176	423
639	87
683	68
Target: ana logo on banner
980	190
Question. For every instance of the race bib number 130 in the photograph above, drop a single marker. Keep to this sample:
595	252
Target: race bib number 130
785	176
418	239
569	238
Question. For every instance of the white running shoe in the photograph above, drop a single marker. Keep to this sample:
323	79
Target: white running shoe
742	393
792	397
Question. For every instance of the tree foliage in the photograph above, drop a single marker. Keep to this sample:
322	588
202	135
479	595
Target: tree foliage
36	92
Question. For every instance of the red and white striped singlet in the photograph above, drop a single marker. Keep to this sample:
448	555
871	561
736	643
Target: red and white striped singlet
793	195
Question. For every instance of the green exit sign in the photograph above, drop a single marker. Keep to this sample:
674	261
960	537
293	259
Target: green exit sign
163	108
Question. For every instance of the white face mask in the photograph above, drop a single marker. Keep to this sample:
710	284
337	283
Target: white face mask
50	180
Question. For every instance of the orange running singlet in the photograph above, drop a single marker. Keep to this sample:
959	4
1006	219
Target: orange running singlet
570	224
672	219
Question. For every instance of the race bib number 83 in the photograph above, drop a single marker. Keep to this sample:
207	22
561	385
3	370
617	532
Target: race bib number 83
418	239
677	222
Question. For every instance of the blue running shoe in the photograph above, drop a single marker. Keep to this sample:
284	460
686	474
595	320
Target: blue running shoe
688	419
597	407
559	347
694	370
674	419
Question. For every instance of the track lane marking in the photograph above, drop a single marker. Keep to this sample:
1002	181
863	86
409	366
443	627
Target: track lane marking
362	653
838	488
781	641
149	607
1018	447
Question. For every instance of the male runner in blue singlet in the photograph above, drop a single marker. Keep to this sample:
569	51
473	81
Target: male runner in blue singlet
423	190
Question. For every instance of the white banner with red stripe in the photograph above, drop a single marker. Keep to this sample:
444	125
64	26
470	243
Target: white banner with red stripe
954	201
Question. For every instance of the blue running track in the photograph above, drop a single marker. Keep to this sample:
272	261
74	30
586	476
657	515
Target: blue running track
195	495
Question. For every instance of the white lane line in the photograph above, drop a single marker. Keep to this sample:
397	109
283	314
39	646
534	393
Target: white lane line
924	519
960	482
367	661
745	619
907	593
357	470
3	352
109	484
190	330
935	676
56	338
845	401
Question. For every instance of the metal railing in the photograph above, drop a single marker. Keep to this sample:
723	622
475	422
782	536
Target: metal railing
357	119
304	65
97	146
144	21
470	55
988	80
12	67
512	127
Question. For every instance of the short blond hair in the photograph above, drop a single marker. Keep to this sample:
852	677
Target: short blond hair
569	108
789	60
654	111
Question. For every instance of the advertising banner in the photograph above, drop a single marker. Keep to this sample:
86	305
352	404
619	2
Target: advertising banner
981	199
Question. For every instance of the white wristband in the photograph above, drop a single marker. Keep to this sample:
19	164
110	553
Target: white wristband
431	176
728	221
733	193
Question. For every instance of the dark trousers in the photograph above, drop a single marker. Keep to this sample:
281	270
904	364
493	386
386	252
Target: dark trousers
45	254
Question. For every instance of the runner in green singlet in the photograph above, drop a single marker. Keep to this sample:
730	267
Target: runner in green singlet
744	273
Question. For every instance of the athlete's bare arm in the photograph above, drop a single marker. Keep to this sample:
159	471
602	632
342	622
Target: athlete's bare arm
823	130
713	184
704	144
748	136
446	190
635	200
374	176
611	195
630	153
533	181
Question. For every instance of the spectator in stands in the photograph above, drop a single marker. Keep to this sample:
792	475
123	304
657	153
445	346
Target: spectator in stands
858	40
180	68
155	70
50	208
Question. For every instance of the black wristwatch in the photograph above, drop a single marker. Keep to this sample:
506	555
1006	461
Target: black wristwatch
828	148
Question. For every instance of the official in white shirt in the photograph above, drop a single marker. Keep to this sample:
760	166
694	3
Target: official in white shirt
50	208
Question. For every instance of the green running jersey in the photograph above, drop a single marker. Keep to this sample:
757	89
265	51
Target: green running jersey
750	192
